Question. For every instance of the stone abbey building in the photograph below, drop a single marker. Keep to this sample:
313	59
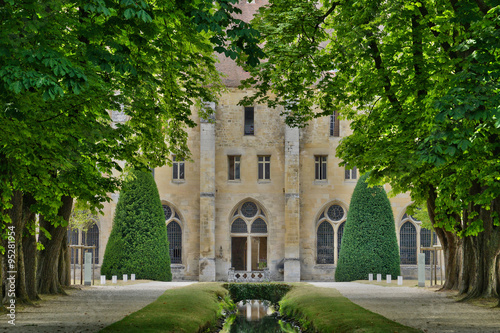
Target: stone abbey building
259	195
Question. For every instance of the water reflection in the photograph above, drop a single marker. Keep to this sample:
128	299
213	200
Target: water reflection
259	317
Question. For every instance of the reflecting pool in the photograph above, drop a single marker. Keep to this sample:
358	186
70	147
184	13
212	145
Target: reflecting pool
257	316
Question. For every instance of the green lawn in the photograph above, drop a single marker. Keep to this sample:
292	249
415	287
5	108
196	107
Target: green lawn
189	309
326	310
195	308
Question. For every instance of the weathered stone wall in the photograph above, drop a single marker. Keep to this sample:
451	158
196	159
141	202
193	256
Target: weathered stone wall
267	140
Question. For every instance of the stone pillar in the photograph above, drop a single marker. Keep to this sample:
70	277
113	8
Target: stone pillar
207	199
249	253
292	206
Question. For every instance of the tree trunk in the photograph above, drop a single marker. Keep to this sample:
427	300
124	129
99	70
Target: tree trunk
64	263
48	259
12	262
480	260
29	250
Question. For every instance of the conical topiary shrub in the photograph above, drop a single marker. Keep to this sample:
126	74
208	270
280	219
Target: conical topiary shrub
138	242
369	242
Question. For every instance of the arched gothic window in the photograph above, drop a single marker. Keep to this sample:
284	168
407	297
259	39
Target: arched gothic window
425	241
91	238
326	240
249	233
325	244
340	233
73	240
174	233
408	244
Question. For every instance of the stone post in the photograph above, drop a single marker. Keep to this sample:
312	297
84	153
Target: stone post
421	269
88	268
292	206
207	199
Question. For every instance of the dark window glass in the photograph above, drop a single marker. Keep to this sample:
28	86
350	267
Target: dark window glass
249	209
178	168
239	226
259	226
408	244
340	233
351	173
249	123
334	124
320	167
325	253
167	211
335	212
425	241
91	238
73	240
174	234
233	167
264	167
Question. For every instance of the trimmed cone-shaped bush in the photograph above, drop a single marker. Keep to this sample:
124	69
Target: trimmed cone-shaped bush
369	242
138	242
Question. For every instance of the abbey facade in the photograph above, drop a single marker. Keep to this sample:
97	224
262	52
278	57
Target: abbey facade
259	196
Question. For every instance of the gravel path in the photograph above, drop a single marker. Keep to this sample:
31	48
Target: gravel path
93	308
87	310
421	308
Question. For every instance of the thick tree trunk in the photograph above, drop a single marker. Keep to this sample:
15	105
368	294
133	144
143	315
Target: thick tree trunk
48	259
480	261
64	263
13	274
29	250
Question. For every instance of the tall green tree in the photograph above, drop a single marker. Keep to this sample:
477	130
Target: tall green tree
67	66
369	243
419	82
138	242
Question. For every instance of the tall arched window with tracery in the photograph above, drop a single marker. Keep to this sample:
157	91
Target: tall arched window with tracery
325	247
174	233
91	238
425	241
327	241
73	239
340	233
408	243
249	232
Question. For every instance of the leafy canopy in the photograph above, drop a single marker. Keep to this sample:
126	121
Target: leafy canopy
418	80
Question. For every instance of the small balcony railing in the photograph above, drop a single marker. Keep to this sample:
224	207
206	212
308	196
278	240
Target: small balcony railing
249	276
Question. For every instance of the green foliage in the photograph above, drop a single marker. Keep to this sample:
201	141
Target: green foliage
82	217
194	308
419	82
369	243
66	66
326	310
272	292
138	242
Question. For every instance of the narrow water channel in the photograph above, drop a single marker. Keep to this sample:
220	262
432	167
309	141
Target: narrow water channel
258	316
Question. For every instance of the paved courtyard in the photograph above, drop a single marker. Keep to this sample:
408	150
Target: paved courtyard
93	308
421	308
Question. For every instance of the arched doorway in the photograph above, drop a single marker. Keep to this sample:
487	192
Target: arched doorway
249	237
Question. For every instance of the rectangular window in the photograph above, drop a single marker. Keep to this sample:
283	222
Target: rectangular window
177	168
249	123
233	167
351	173
320	168
334	125
264	167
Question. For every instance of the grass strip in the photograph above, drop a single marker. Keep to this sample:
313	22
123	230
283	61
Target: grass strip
193	308
326	310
